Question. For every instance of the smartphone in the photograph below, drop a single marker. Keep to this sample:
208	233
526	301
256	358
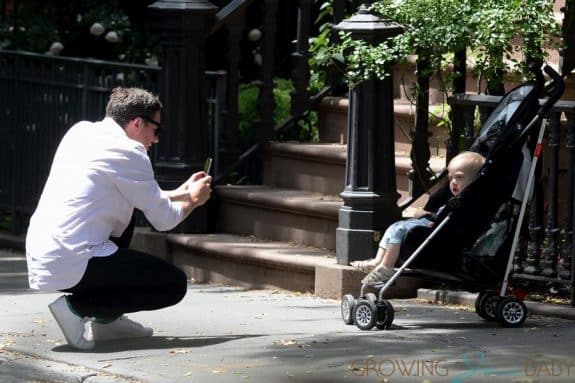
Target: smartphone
207	165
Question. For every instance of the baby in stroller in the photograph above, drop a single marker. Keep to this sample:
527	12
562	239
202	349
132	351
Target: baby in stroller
462	170
506	154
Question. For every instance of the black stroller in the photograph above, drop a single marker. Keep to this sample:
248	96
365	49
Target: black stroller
450	252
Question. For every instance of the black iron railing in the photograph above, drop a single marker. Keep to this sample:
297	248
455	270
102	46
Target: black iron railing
546	253
42	96
240	157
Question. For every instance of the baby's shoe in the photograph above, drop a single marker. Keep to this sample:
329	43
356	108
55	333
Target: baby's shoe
366	266
380	274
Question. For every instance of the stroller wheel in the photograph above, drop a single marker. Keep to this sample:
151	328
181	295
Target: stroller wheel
486	305
365	314
511	312
347	305
385	315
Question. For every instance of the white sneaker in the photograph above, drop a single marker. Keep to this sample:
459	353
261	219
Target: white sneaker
121	328
74	327
380	274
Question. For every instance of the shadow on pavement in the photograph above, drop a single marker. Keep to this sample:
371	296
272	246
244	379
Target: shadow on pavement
155	343
446	325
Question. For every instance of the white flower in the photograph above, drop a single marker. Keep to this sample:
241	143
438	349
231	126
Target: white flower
258	59
112	37
79	18
153	60
97	29
255	34
56	48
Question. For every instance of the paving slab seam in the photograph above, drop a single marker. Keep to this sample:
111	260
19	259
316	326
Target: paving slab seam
132	377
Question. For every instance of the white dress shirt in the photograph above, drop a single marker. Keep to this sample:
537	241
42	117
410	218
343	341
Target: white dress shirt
98	176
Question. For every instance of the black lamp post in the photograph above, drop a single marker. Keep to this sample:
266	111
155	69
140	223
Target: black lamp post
182	28
370	195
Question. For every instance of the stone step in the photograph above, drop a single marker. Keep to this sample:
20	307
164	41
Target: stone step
333	113
314	167
13	281
320	168
13	264
295	216
260	264
288	215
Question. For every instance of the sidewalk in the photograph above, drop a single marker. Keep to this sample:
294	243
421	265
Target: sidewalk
226	334
16	367
468	299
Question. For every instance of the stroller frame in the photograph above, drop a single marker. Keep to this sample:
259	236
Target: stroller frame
370	310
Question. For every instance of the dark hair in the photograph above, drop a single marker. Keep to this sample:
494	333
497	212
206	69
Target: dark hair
125	104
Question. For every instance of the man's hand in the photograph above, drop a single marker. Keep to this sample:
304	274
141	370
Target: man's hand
195	177
199	188
192	193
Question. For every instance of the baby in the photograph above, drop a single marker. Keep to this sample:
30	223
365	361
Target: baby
462	170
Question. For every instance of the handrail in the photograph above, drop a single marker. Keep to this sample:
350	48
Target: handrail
313	101
301	101
228	12
78	60
252	149
483	100
431	184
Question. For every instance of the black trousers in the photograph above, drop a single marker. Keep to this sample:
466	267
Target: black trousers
126	281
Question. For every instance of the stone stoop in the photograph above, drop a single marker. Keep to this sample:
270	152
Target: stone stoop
297	216
297	208
259	264
333	113
320	167
13	269
282	234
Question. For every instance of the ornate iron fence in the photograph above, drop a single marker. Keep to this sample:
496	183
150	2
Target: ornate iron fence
42	96
546	253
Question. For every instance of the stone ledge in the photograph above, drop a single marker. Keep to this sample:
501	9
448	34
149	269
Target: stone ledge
337	154
151	242
317	152
279	255
254	263
288	200
247	261
16	242
468	299
334	281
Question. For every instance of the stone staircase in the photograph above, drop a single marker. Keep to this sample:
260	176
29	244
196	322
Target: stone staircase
281	235
13	270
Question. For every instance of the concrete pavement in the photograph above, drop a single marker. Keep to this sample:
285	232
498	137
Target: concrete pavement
226	334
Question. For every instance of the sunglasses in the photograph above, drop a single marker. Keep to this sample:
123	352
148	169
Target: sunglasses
158	125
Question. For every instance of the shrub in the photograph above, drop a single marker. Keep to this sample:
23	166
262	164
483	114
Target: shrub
500	34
